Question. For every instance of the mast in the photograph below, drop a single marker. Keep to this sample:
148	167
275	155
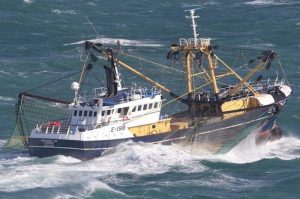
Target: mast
189	73
194	25
212	72
202	45
189	56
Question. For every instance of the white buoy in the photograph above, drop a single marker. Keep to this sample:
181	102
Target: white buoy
75	86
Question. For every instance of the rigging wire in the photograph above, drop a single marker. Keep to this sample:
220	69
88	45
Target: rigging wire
185	94
163	66
237	48
83	69
54	81
93	27
284	74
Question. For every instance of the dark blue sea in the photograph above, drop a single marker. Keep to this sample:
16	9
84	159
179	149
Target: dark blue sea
38	44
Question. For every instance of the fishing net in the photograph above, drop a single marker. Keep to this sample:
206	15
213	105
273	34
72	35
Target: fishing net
226	132
31	110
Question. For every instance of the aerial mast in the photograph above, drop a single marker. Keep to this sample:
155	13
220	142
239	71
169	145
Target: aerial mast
189	56
202	44
194	25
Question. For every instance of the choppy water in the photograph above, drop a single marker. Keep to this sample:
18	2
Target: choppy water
35	37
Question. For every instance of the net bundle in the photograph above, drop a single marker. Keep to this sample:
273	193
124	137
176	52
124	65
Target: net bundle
32	110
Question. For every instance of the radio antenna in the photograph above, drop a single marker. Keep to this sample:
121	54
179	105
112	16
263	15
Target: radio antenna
93	27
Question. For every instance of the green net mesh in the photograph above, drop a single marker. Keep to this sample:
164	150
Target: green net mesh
32	110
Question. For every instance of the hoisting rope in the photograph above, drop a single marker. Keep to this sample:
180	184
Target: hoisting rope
186	94
54	81
281	67
83	69
237	76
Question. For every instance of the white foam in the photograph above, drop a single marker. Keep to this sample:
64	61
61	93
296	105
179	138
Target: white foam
7	98
50	72
24	173
91	3
296	116
2	142
123	42
287	148
6	73
66	159
28	1
22	74
88	188
258	46
145	158
269	2
59	12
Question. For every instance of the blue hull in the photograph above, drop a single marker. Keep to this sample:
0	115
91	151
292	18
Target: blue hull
85	150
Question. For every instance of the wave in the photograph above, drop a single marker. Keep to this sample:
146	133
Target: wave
72	178
287	148
5	73
49	72
200	5
88	188
142	158
270	2
28	1
7	98
59	12
24	173
91	3
123	42
258	46
2	143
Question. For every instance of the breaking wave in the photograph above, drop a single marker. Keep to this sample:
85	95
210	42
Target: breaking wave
123	42
59	12
88	189
24	173
2	98
270	2
28	1
5	73
287	148
258	46
2	143
79	179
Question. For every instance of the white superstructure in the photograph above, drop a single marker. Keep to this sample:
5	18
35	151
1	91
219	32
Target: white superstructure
105	118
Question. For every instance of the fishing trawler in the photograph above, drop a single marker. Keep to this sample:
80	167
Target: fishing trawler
215	119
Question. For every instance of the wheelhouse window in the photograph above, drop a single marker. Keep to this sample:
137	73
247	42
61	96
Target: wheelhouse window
145	107
75	113
125	110
103	113
95	114
150	106
80	113
139	107
85	113
90	113
119	110
156	104
134	109
108	112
